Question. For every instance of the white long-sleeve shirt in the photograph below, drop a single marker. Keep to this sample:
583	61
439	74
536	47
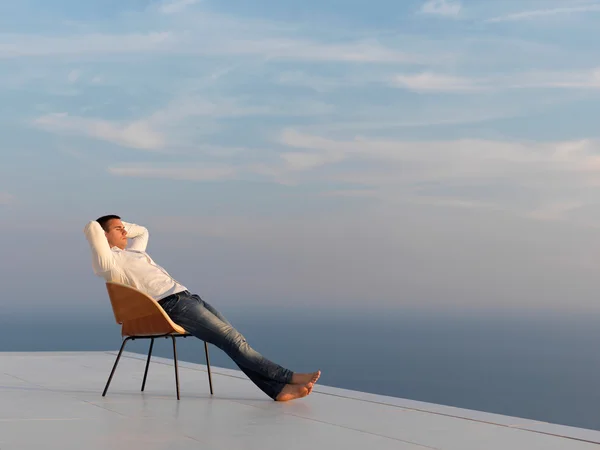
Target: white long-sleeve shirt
131	266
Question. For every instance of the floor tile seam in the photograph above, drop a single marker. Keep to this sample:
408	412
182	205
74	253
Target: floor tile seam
63	393
344	427
470	419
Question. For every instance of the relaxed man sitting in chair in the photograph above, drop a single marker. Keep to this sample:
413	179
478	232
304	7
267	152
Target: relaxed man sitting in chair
119	255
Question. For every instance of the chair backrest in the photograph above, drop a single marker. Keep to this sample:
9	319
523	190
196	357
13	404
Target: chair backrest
138	313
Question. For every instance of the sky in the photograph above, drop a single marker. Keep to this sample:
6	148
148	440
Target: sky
440	155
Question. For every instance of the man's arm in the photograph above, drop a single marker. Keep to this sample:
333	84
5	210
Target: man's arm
103	260
138	236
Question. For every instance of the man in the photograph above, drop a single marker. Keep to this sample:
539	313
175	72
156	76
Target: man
119	255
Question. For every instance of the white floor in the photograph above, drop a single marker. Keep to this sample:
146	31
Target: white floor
53	401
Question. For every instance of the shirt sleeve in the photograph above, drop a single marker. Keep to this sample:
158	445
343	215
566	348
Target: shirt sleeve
137	235
103	259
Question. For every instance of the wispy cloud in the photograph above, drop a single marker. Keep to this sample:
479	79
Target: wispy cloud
150	132
74	75
456	152
201	173
324	84
555	210
353	193
569	166
19	45
176	6
303	161
446	8
209	43
519	178
580	79
353	52
378	169
137	134
540	13
166	126
97	80
449	154
432	82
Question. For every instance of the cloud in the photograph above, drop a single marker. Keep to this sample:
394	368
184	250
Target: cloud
427	117
137	134
445	8
316	83
556	210
152	132
303	161
176	6
221	107
172	124
303	50
429	82
461	154
448	154
207	43
585	79
375	163
540	13
202	32
202	173
6	198
325	84
522	177
354	193
451	202
19	45
74	76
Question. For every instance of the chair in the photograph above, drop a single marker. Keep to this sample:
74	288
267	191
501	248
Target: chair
142	317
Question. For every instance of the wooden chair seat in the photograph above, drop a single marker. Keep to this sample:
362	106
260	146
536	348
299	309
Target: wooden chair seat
142	317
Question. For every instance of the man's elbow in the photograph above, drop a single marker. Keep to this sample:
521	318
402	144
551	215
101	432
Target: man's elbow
92	228
109	274
86	228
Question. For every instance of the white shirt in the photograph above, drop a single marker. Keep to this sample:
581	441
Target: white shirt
132	266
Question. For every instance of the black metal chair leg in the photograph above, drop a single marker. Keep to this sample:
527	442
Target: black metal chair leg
208	366
114	366
147	363
175	361
176	364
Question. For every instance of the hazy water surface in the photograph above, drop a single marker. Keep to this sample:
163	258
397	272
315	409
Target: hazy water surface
544	368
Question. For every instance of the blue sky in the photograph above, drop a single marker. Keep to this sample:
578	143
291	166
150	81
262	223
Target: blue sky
434	154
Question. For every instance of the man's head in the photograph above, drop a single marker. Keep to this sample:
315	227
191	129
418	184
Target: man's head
114	230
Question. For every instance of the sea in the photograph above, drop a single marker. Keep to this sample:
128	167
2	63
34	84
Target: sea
538	366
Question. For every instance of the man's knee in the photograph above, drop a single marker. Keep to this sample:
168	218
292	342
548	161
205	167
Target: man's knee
235	339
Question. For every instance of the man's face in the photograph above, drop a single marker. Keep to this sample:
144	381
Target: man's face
116	234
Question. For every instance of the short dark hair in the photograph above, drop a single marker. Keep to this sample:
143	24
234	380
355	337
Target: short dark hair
103	221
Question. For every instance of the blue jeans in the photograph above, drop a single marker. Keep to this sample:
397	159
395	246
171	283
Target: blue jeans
203	321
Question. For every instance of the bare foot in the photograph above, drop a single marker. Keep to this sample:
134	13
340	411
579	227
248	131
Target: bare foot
305	378
292	391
